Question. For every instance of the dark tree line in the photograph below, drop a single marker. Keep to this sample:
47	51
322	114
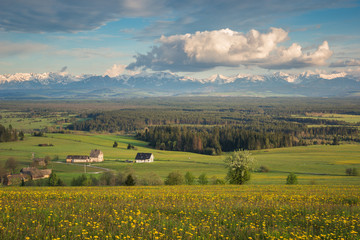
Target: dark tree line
214	140
9	134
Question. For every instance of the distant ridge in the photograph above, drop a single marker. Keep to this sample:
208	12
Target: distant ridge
63	85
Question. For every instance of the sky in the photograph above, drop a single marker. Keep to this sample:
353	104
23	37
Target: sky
196	38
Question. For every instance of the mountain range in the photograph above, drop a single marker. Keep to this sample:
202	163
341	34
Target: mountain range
144	84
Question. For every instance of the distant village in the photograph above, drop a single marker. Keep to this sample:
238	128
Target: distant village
34	172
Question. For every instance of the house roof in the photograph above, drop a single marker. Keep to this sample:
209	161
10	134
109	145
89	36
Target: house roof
77	157
143	156
36	173
95	153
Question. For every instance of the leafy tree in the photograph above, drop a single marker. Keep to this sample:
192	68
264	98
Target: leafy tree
115	145
291	179
81	180
239	165
53	179
189	178
21	135
60	182
11	164
130	181
336	141
2	174
203	179
174	178
107	179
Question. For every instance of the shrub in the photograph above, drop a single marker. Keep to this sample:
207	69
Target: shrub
291	179
151	179
203	179
189	178
174	178
264	169
351	172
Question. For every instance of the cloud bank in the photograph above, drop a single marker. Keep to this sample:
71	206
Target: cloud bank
71	16
225	47
346	63
166	16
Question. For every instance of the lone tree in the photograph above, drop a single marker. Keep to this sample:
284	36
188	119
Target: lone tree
239	163
291	179
115	145
11	164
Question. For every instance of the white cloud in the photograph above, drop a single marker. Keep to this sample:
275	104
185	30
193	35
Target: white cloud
117	70
225	47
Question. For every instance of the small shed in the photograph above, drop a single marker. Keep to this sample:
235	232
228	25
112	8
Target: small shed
144	157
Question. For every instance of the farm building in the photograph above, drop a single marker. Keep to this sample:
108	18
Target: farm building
77	159
26	174
96	155
144	157
15	179
36	173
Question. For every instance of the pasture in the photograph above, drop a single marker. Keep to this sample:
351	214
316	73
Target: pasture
318	164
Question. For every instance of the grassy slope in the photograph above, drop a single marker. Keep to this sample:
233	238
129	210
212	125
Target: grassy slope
312	164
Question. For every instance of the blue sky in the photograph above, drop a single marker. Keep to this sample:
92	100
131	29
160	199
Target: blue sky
196	38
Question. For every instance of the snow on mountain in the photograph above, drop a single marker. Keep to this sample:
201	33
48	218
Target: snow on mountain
306	83
43	78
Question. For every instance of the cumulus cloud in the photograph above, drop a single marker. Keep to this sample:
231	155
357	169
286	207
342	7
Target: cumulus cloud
12	49
225	47
346	63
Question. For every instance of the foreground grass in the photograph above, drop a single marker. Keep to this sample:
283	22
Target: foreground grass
185	212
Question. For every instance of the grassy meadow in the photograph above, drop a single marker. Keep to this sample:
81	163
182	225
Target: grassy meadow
318	164
181	212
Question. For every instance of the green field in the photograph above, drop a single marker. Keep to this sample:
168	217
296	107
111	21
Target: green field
333	116
316	164
21	123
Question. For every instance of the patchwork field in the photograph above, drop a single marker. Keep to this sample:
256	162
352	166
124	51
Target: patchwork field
313	164
181	212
